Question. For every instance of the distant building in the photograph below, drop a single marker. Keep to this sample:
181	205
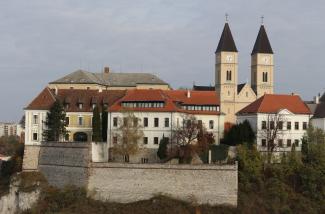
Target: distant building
108	80
286	113
10	129
317	107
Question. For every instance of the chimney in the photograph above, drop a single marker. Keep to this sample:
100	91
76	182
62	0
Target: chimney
106	70
188	94
56	91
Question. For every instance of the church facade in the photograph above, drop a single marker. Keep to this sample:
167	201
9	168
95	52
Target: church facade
235	96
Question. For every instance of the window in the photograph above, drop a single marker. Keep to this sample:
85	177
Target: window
166	122
80	121
289	125
67	121
35	119
263	124
115	140
126	158
272	125
288	142
156	122
228	76
145	140
280	143
35	136
264	76
145	122
280	125
80	106
125	121
296	143
211	124
296	125
155	140
246	94
304	125
264	142
199	122
115	121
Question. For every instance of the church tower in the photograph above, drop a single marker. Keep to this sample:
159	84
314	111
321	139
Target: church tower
262	66
226	73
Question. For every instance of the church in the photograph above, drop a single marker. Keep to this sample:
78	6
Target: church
234	96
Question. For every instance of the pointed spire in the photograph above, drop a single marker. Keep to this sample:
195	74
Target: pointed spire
262	43
226	42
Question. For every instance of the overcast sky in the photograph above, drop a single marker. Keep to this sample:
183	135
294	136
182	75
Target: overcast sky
42	40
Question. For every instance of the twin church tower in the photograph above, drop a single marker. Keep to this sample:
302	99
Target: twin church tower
234	96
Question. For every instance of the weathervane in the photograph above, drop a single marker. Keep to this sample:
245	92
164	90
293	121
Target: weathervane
262	19
226	15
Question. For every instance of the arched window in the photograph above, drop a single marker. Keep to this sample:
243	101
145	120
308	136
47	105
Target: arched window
228	77
264	76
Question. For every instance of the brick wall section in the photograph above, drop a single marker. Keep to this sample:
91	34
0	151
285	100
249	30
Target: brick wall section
204	184
65	163
30	161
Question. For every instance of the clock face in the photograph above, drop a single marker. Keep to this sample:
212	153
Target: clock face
266	60
229	58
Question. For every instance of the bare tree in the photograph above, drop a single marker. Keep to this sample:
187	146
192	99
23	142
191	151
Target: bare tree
127	135
190	138
271	132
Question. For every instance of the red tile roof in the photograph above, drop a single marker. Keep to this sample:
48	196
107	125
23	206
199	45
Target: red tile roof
173	100
272	103
47	97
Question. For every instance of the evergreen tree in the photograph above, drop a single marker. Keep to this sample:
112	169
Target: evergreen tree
55	122
104	123
162	150
97	133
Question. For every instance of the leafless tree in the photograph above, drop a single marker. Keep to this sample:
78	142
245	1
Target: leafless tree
271	132
127	135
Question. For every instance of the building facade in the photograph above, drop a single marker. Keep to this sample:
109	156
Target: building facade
284	116
160	112
235	96
318	109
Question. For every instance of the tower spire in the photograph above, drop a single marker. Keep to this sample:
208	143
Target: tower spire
262	43
226	42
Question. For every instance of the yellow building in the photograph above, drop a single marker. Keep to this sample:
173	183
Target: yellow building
234	96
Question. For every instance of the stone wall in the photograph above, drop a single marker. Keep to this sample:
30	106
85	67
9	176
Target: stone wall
65	163
203	184
31	153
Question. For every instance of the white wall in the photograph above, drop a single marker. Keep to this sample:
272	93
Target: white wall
255	121
160	131
31	127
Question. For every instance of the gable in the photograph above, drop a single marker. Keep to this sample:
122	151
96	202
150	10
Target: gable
246	94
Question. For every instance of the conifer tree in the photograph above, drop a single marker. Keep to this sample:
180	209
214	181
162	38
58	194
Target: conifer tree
96	123
55	123
104	123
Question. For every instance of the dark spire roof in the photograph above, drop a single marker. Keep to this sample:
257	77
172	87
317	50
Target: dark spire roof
226	42
262	43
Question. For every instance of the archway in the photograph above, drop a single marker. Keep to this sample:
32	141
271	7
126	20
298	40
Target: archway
80	137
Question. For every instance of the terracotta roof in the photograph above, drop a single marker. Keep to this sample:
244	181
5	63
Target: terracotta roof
43	101
272	103
226	42
173	100
262	43
73	97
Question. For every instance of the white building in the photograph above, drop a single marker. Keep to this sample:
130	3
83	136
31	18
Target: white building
287	114
160	111
318	119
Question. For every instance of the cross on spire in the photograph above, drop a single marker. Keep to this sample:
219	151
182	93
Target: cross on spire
226	15
262	19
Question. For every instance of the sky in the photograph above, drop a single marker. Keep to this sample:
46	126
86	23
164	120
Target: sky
43	40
